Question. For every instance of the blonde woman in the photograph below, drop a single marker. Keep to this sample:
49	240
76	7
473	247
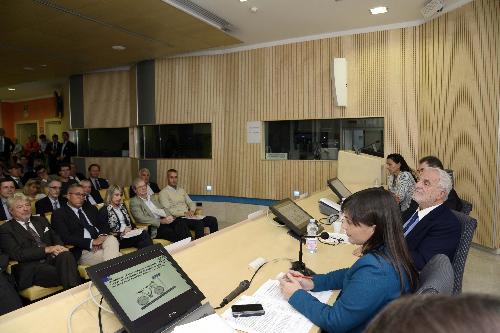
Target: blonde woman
32	190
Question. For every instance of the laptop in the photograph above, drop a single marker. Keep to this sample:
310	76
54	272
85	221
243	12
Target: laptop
294	217
148	291
338	188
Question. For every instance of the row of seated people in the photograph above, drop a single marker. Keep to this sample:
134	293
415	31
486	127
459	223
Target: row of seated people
93	235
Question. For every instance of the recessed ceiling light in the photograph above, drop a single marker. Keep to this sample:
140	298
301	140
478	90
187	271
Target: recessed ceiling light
43	65
378	10
27	68
254	9
11	89
243	0
118	47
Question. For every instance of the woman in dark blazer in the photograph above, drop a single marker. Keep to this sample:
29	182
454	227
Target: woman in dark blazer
116	215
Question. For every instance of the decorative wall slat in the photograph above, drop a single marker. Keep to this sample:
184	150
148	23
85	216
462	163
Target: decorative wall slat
106	99
458	104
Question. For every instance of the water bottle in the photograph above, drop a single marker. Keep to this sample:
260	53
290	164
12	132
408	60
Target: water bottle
312	230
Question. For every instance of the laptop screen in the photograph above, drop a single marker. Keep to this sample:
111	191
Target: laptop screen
146	289
338	188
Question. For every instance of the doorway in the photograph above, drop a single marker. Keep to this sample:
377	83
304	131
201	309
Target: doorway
53	126
24	130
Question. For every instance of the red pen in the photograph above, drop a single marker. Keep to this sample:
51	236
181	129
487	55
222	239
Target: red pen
301	276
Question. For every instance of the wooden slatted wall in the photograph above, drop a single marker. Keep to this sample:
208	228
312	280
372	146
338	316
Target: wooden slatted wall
459	96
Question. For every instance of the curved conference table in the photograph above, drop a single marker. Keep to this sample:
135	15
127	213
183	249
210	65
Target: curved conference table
216	263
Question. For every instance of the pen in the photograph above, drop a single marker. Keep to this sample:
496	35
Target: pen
301	276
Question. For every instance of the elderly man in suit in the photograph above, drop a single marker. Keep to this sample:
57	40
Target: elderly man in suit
80	226
144	174
52	201
147	210
43	260
432	229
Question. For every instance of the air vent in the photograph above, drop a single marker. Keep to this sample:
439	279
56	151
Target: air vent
200	13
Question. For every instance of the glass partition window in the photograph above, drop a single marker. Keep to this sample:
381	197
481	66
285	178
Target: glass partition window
175	141
102	142
321	139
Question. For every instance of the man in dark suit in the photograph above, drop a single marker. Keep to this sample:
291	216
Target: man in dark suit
7	190
75	174
8	295
92	196
144	174
15	174
6	147
52	201
53	150
43	260
80	226
68	149
65	178
433	228
96	182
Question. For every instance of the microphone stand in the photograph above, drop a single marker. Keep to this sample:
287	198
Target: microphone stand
299	265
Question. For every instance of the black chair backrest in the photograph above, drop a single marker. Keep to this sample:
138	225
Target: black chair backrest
437	276
468	227
466	207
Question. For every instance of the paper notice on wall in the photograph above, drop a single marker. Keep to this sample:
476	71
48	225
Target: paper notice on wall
254	131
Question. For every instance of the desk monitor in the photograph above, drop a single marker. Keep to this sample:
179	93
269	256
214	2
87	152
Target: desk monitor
338	188
146	289
294	217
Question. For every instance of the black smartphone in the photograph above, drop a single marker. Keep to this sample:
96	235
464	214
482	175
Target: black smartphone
247	310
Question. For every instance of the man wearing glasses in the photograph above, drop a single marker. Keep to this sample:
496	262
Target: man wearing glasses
52	201
79	226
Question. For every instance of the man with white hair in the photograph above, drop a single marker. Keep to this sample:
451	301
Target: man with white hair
432	229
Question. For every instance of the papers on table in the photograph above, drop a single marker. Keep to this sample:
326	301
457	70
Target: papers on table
174	247
280	316
211	323
132	233
195	217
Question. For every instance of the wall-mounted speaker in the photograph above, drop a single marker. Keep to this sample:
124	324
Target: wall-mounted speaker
339	81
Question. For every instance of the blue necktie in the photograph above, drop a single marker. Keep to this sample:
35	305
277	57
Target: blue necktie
408	225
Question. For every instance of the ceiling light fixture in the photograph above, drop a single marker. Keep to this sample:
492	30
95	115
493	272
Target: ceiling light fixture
254	9
243	0
200	13
43	65
118	47
27	68
378	10
12	89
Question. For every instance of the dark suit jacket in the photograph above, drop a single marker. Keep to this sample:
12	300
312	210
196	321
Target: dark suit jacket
103	184
44	205
68	152
71	229
15	183
452	202
3	215
153	186
438	232
18	243
8	147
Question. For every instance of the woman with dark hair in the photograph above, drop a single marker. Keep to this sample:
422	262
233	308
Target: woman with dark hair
438	314
384	272
401	181
117	216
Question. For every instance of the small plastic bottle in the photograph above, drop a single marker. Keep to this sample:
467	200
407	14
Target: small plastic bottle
312	230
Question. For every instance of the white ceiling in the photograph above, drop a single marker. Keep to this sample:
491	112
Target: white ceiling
277	20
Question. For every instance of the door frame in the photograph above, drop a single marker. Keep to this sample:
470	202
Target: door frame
26	122
48	120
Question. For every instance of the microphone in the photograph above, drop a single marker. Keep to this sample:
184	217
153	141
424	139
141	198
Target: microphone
323	235
299	265
233	294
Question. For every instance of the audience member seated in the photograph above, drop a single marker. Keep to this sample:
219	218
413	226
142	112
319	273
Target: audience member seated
438	314
385	271
15	175
33	191
400	182
8	295
42	258
52	201
144	174
147	210
81	228
432	228
453	201
78	176
7	190
92	196
96	182
115	214
180	205
65	178
43	176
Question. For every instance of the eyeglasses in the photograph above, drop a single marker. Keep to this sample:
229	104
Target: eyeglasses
78	194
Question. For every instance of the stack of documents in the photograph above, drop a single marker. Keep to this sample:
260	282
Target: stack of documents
212	323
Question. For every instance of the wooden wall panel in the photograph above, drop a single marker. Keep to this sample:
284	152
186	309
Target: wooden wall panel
459	104
106	99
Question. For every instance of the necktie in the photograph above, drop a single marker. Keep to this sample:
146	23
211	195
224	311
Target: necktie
96	183
6	210
35	235
411	222
55	204
90	228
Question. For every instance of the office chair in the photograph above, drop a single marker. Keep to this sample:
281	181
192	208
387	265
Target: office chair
468	225
436	277
466	207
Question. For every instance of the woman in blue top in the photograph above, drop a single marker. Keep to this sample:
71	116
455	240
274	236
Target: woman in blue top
385	271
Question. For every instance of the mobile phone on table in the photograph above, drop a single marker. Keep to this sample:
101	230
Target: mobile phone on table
247	310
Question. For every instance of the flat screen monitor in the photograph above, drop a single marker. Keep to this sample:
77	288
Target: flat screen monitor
146	289
294	217
338	188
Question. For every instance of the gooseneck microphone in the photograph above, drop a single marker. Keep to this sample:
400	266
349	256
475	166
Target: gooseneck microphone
299	265
233	294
